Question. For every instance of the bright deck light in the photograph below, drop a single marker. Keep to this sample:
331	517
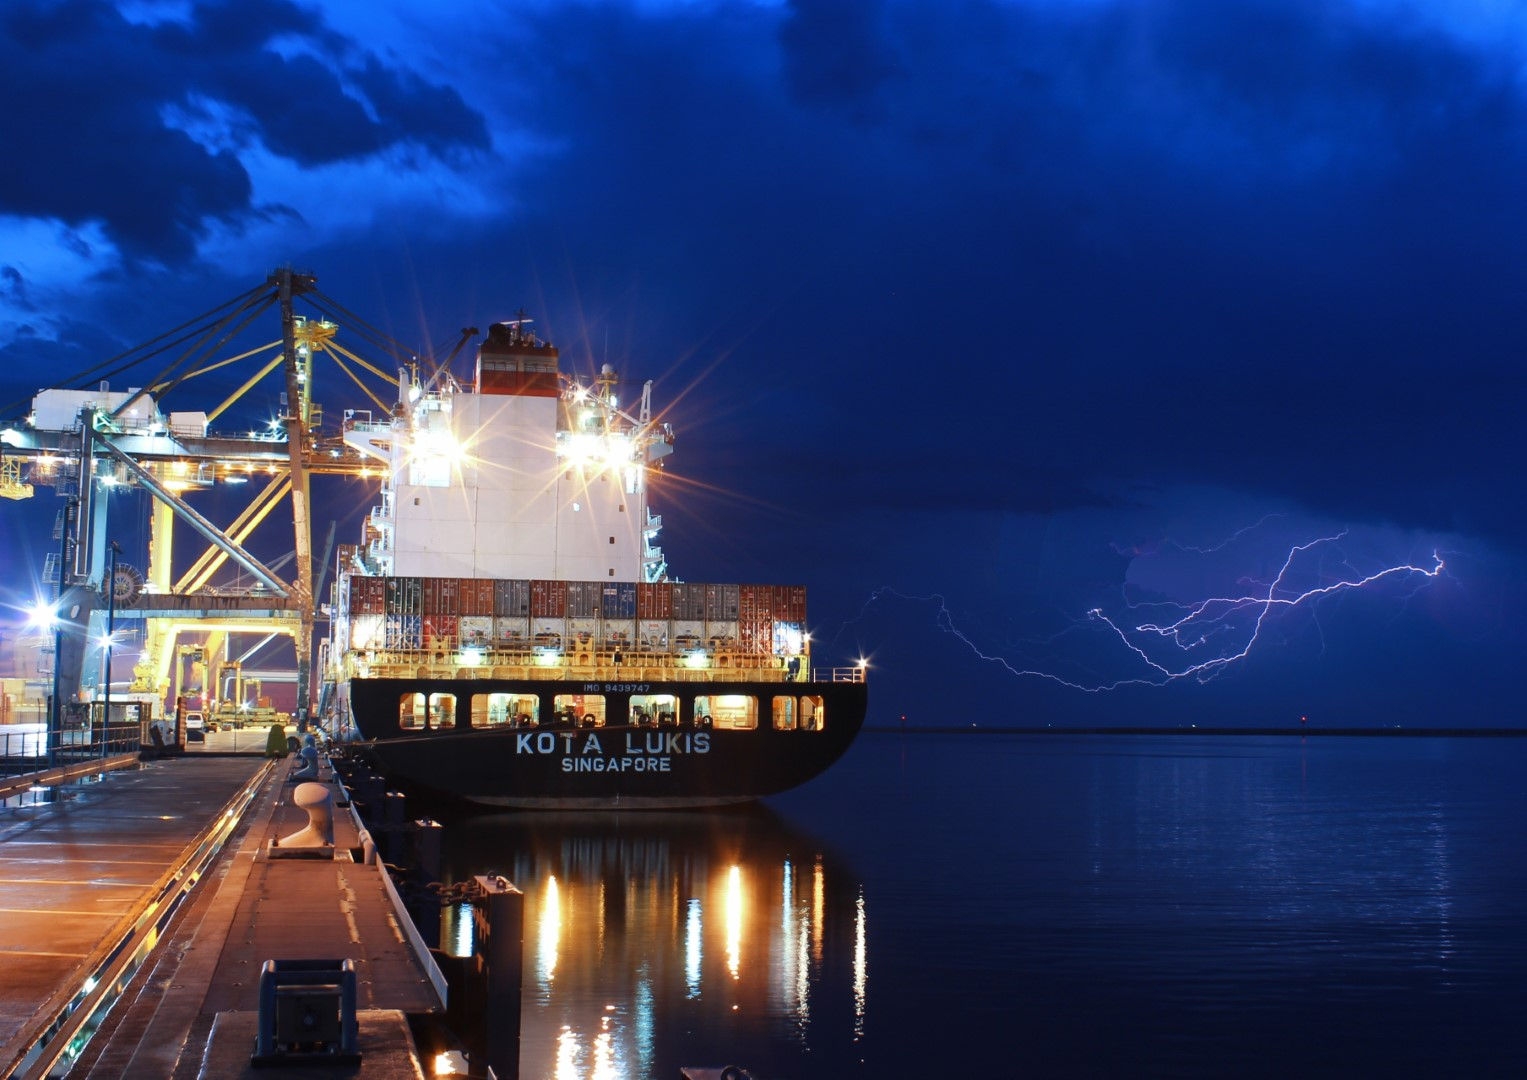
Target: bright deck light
42	616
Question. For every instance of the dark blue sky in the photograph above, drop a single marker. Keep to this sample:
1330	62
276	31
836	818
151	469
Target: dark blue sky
1037	307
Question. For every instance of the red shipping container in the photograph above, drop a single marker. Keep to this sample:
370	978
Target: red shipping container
442	596
548	599
655	600
440	631
755	601
368	595
756	635
476	596
790	603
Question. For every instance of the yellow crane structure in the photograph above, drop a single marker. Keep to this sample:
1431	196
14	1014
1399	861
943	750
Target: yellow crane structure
91	444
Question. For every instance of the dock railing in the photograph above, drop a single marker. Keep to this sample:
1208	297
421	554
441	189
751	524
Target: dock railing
32	748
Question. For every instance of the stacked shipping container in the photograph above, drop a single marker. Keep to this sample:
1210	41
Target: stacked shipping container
434	614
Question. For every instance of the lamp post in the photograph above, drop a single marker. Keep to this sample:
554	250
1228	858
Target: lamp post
56	704
111	631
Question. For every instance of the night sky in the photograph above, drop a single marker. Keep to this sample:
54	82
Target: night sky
1007	327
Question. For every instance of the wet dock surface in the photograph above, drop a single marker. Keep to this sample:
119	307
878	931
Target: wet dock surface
76	867
191	1009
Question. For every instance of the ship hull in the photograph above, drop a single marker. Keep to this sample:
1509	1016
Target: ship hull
577	763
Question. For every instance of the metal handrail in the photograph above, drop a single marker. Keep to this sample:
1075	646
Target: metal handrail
25	752
853	674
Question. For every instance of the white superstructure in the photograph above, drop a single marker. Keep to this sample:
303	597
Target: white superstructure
524	474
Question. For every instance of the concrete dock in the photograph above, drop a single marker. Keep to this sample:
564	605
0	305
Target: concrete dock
112	868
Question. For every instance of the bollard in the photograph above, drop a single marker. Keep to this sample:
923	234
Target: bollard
316	839
309	758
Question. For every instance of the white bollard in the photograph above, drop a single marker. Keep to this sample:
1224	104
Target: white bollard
318	801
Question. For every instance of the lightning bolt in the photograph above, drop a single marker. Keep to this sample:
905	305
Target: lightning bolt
1227	628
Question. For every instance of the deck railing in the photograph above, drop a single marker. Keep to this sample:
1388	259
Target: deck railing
839	674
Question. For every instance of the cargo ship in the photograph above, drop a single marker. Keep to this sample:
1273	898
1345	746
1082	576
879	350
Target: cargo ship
507	631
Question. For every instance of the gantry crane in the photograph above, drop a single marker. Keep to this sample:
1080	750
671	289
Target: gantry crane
88	443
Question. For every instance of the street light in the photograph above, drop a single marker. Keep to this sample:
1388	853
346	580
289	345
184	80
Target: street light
56	704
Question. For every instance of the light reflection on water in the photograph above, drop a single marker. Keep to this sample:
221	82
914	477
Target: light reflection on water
655	941
996	906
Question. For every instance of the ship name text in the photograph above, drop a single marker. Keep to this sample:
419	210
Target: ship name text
638	751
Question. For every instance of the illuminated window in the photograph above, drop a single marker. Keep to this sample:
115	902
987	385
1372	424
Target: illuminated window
442	710
654	710
578	710
727	710
813	712
784	714
496	710
411	712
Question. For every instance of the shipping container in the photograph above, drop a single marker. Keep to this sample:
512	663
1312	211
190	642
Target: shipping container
511	632
475	631
755	602
688	634
442	596
476	596
652	635
548	599
688	601
582	633
368	595
583	599
721	635
547	632
790	603
755	636
368	632
721	602
405	596
440	630
511	596
618	634
617	599
654	600
405	632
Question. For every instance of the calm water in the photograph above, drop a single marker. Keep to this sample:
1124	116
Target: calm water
1003	906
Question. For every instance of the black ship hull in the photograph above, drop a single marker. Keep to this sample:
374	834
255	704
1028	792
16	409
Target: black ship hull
565	758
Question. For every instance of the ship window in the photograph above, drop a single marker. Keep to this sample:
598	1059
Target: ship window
411	712
496	710
813	713
784	714
726	710
442	710
654	710
578	710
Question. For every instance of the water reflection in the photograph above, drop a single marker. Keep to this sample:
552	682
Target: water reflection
655	941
